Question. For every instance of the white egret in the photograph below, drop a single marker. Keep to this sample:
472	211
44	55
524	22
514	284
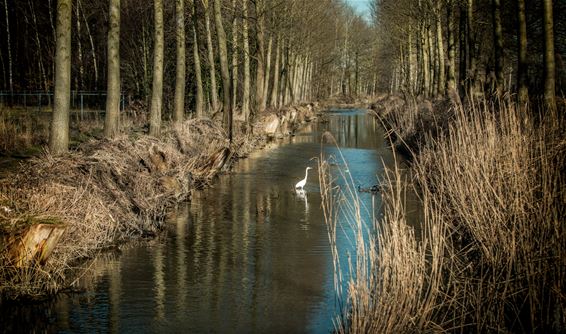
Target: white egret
302	183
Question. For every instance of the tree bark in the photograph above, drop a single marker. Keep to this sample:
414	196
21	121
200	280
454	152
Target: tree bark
157	85
425	61
260	55
199	104
441	80
470	47
112	119
181	62
38	42
235	73
267	71
224	70
497	45
522	68
80	81
247	79
93	50
10	74
59	135
549	61
451	68
275	88
211	61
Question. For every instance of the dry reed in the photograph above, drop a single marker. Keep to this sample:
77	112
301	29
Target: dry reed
491	255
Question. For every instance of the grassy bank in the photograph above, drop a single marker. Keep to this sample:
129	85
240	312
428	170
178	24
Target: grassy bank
491	253
106	192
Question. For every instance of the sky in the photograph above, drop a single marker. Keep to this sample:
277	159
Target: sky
361	6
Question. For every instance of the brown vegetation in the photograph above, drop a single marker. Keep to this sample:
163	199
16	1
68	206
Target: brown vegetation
109	191
490	255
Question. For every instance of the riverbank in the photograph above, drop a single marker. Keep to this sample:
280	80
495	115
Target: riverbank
55	212
490	254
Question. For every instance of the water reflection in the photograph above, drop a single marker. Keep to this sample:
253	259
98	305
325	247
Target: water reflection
249	255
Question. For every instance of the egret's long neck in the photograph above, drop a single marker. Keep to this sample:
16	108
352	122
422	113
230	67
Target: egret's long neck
306	173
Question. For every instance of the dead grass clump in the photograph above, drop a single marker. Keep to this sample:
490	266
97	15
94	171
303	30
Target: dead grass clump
106	192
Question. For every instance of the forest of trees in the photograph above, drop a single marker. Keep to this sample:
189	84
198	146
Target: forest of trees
239	57
243	56
493	48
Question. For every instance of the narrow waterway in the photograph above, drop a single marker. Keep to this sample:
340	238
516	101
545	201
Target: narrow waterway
248	255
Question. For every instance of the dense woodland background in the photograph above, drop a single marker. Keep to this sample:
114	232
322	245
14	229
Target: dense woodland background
242	56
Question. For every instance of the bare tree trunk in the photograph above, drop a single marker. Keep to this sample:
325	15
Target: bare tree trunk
59	135
211	61
234	56
157	85
224	70
284	74
199	105
93	50
247	79
522	68
275	88
498	45
431	62
80	83
267	70
411	66
112	120
181	62
260	74
549	62
441	80
145	50
4	81
470	47
10	75
39	48
451	75
425	61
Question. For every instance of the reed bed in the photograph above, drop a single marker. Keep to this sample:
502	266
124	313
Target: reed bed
490	253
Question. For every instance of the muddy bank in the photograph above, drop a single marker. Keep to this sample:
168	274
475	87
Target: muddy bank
57	211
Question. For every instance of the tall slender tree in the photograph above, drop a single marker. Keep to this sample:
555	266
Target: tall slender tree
225	71
522	68
260	55
199	104
235	73
112	119
549	60
275	87
181	66
247	75
497	45
59	134
451	61
157	84
10	74
211	60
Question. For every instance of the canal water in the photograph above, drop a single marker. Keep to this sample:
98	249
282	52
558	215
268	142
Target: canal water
248	255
